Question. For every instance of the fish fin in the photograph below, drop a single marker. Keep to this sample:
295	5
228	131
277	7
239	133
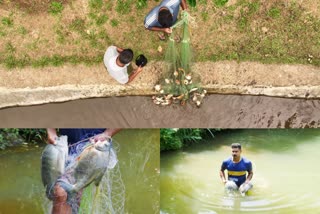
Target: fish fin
98	179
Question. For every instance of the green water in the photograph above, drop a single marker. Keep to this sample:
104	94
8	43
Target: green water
22	190
285	165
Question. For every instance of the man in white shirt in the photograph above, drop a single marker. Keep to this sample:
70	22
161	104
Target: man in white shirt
116	60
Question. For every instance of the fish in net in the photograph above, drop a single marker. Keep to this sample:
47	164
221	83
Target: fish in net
178	84
92	167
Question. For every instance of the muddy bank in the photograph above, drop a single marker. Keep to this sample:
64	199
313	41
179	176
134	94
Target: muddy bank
38	86
224	111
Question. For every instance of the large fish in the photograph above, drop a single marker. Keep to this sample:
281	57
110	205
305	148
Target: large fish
53	161
90	167
231	186
244	188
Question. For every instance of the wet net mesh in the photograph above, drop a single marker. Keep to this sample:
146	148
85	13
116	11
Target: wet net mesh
107	197
178	83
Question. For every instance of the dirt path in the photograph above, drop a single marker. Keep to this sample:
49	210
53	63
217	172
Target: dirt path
55	84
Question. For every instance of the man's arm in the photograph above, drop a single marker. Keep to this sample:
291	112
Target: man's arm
184	5
250	175
119	50
134	74
52	134
106	134
165	30
111	132
222	175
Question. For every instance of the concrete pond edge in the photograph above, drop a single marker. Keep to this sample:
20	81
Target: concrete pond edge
42	95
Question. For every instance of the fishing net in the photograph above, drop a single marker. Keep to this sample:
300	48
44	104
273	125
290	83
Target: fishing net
178	83
109	196
86	168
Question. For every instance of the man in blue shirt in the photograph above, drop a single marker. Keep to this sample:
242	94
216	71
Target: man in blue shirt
163	16
60	196
237	168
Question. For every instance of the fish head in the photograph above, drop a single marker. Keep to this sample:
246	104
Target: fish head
103	145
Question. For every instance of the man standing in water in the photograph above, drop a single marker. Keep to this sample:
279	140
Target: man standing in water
60	196
237	167
163	16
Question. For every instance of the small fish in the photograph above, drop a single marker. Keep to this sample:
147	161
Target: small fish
180	97
157	87
169	96
53	161
192	90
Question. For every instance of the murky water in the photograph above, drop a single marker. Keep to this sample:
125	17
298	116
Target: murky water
22	190
286	176
224	111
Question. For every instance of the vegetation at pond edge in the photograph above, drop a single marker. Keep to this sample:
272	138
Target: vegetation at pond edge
174	139
65	31
12	137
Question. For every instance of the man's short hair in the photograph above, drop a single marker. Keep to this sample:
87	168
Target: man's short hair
236	146
165	18
126	56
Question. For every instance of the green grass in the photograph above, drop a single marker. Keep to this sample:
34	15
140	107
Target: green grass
77	25
10	61
55	8
220	3
204	16
114	22
10	48
274	12
101	20
235	33
22	30
96	4
123	6
140	4
7	21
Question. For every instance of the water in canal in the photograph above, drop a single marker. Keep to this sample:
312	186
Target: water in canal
22	190
285	166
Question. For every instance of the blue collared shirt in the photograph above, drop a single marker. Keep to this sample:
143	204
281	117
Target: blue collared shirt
151	19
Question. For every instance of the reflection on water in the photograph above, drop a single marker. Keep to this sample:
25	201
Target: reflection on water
22	190
285	174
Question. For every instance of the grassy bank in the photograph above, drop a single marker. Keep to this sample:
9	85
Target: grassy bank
175	139
37	34
13	137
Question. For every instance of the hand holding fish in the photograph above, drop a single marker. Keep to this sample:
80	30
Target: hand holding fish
52	136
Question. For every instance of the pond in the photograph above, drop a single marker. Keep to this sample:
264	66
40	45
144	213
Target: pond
286	179
22	190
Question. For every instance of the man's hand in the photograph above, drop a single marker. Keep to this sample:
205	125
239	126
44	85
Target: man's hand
119	49
52	135
101	137
139	69
167	30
